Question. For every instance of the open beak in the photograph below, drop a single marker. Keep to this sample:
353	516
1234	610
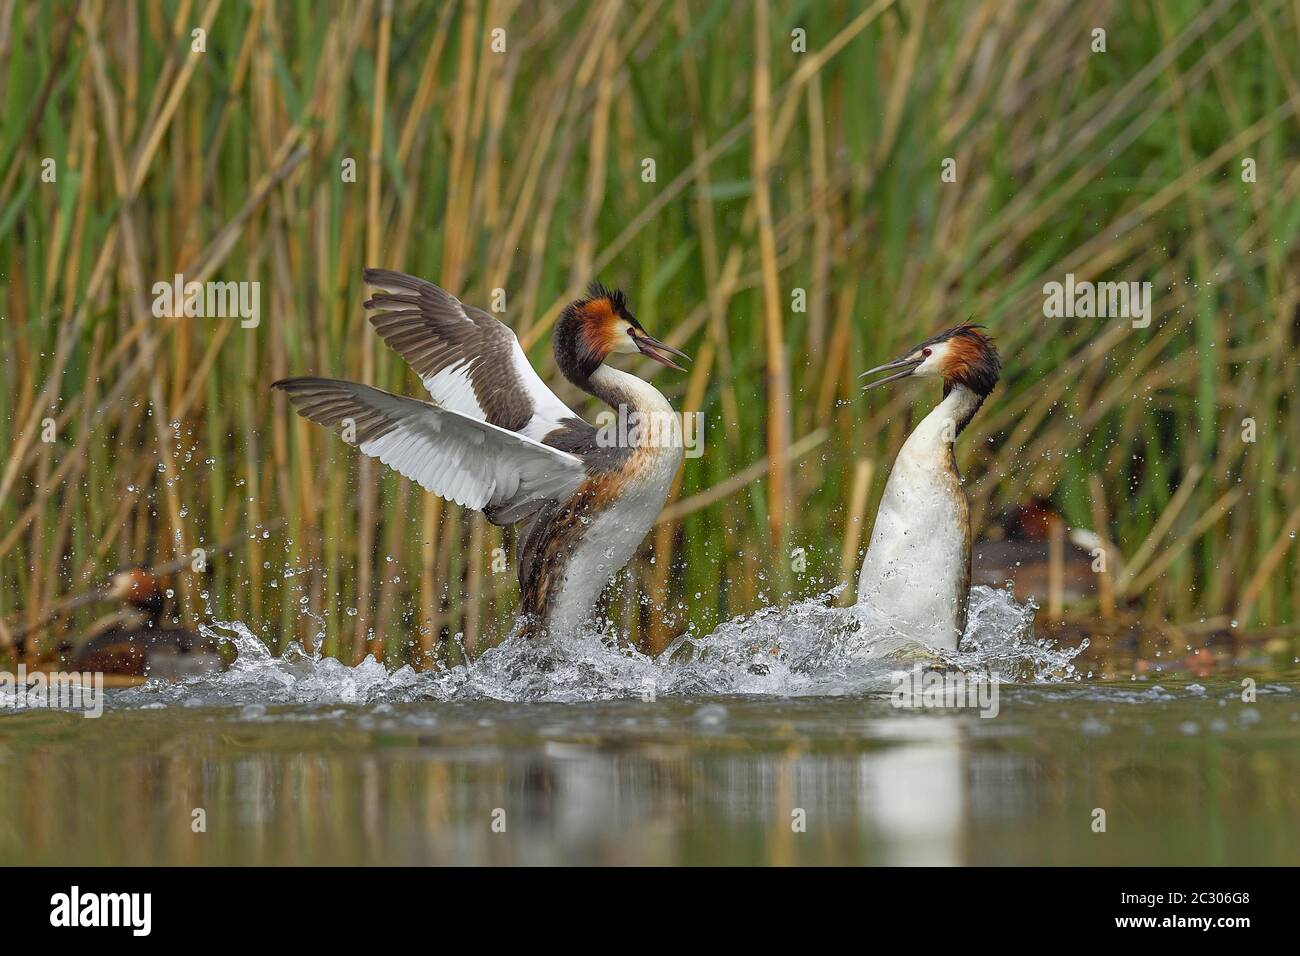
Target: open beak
651	347
906	367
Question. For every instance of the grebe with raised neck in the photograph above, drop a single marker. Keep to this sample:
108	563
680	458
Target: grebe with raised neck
918	565
495	439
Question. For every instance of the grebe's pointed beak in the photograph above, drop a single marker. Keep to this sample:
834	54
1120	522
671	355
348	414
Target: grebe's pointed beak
651	347
908	366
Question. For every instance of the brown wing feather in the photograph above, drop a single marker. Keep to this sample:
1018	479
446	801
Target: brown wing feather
435	332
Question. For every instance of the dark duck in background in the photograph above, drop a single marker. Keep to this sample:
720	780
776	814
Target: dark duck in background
134	641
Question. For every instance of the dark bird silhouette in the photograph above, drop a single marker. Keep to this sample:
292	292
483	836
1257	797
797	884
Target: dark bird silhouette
135	641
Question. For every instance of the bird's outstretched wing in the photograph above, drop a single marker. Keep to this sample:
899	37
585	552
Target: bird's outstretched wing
465	459
469	362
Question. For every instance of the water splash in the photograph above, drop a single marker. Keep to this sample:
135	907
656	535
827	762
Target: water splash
810	648
258	676
1000	640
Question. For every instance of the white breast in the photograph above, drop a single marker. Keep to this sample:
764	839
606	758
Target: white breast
916	572
614	534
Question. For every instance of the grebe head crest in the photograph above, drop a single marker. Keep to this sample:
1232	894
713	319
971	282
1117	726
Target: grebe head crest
963	355
137	587
598	325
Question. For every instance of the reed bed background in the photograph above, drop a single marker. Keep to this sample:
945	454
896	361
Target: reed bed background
776	170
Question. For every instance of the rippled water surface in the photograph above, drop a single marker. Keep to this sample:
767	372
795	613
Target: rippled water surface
774	740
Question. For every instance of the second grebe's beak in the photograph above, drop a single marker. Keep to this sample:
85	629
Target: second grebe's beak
651	347
907	366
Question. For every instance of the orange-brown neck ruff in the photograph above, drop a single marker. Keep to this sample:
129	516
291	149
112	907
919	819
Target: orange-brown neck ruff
973	362
140	589
588	330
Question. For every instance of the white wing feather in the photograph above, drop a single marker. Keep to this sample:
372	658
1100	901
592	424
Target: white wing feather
456	456
470	362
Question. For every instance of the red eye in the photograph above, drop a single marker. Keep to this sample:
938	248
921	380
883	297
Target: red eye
925	353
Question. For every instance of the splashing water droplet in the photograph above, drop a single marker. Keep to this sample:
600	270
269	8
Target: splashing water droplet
807	649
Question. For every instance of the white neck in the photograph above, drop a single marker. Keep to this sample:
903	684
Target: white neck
917	569
616	387
943	424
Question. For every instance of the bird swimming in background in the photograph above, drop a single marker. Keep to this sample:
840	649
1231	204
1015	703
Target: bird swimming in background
918	565
495	439
134	641
1025	543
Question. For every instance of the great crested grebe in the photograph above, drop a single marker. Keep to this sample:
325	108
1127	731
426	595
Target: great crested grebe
497	440
918	566
1030	545
134	641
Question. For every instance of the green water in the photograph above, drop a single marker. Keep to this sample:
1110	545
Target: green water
1186	772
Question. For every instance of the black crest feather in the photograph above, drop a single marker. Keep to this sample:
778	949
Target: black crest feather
574	353
617	300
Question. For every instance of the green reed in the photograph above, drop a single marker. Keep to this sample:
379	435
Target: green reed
523	170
